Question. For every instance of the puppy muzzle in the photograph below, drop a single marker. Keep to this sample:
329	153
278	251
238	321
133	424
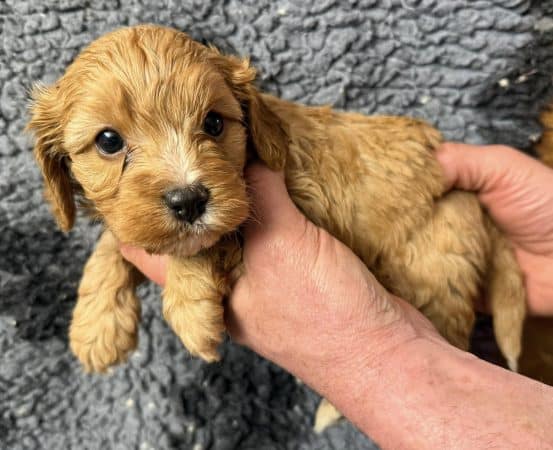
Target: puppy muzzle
187	204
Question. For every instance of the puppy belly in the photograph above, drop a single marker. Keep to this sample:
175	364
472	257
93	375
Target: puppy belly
439	269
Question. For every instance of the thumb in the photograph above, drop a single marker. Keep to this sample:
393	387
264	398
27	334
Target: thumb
152	266
476	167
270	200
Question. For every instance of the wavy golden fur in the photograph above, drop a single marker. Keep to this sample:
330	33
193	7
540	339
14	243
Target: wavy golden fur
373	182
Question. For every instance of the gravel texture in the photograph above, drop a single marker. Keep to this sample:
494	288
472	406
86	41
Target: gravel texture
478	70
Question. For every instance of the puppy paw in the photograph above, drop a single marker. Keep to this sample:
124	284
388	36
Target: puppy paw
199	324
102	339
326	416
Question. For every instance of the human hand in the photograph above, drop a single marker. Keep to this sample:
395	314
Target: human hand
309	304
305	301
517	191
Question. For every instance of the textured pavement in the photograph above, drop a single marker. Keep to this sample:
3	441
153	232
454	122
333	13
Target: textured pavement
478	70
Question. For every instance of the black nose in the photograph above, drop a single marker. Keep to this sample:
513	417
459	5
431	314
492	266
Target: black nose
188	203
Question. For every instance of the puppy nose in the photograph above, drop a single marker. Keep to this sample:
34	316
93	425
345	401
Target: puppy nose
187	204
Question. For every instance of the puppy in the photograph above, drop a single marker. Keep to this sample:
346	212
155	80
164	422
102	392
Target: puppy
151	131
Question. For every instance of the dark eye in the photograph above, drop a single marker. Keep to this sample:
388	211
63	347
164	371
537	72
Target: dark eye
213	124
109	142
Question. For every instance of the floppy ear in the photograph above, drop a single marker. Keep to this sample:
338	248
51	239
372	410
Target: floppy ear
266	132
46	123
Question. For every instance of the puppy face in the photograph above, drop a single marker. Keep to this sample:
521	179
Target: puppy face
155	129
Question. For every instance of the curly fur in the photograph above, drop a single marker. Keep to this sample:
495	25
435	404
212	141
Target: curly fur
373	182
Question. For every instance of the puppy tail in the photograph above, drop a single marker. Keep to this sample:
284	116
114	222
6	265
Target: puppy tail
507	297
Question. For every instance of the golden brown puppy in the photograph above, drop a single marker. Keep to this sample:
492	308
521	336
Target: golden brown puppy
152	130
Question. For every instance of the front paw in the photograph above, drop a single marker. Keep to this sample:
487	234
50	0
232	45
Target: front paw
198	323
103	339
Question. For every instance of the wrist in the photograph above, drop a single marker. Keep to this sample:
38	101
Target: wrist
428	394
403	352
370	344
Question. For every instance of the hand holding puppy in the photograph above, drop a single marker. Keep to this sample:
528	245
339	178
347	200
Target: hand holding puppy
313	308
305	299
518	194
316	282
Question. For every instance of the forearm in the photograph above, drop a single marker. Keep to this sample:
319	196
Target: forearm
431	395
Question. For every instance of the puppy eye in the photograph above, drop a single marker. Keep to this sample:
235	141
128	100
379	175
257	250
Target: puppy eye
213	124
109	142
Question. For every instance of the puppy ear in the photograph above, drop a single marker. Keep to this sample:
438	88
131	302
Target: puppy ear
266	132
46	123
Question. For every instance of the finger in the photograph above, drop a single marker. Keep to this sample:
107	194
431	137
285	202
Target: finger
475	167
270	199
152	266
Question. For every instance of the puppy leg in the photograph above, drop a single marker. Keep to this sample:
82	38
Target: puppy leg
440	269
454	319
507	297
193	303
105	320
